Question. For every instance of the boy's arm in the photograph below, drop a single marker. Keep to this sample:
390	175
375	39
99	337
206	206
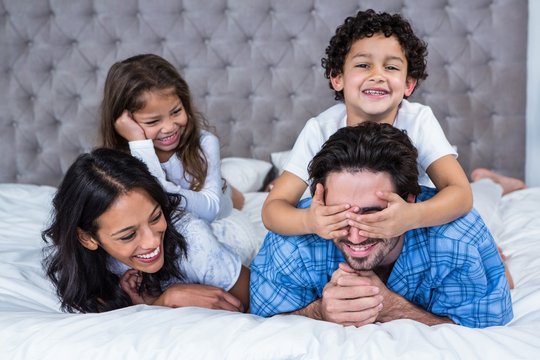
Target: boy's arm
454	199
280	214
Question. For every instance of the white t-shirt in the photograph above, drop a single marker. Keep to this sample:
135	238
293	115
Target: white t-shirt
208	262
210	203
418	120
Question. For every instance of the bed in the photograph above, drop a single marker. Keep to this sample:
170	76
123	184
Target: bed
254	70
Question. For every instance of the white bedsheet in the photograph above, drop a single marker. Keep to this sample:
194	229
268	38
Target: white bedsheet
32	327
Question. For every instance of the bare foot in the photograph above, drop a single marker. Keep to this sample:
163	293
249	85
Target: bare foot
508	184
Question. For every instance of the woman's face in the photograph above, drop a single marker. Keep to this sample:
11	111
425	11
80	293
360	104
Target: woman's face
132	231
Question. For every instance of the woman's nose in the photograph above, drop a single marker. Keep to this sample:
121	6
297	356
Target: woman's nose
150	239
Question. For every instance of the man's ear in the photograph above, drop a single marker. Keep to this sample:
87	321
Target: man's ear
87	240
337	82
410	84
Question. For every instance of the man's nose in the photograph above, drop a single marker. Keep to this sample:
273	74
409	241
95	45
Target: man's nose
354	235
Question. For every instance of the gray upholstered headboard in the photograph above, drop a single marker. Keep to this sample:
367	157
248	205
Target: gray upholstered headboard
254	69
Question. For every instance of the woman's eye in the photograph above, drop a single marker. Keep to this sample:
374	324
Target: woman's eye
156	218
128	237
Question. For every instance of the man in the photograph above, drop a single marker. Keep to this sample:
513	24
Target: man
443	274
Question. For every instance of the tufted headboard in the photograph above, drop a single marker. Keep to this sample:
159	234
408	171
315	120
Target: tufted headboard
254	70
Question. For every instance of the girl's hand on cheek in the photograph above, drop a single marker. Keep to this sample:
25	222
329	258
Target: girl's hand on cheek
128	128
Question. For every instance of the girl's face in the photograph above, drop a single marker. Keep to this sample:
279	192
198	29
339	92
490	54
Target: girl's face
131	231
163	120
374	80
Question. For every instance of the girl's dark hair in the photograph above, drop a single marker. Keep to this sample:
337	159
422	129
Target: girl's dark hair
366	24
372	147
126	83
81	276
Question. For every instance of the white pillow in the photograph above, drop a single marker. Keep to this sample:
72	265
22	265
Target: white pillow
280	159
247	175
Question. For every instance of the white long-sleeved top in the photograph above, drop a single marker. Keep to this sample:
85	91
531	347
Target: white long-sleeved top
210	203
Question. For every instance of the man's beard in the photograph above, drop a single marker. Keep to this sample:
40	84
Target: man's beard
374	259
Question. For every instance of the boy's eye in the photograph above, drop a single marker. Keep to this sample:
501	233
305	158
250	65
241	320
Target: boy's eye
362	66
392	67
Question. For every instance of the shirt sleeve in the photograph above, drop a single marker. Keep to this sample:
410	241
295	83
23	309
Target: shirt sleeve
208	262
307	144
475	292
205	203
280	281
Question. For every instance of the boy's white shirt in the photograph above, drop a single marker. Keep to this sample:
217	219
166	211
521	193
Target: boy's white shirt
418	120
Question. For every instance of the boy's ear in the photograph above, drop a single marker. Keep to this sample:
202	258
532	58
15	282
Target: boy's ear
87	240
337	82
410	84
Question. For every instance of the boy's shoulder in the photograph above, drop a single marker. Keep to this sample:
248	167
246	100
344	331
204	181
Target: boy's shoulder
333	114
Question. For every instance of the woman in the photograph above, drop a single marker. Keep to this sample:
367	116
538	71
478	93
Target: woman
118	239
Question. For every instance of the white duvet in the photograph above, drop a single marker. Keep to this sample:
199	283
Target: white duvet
32	327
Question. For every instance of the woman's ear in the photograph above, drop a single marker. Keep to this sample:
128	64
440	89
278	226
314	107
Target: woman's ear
411	198
87	240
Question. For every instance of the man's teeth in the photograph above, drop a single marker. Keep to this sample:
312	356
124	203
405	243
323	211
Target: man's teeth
150	255
360	248
375	92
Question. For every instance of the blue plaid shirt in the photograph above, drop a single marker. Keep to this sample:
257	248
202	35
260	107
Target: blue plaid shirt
452	270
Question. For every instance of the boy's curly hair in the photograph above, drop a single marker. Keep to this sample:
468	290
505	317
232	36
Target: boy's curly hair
366	24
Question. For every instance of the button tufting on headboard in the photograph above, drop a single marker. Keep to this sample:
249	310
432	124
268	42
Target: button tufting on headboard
254	71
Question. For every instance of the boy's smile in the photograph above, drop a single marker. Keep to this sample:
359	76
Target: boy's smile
374	80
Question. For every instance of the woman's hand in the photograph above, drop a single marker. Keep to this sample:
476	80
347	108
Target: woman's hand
130	282
128	128
205	296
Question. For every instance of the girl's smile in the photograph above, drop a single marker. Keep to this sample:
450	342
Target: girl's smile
163	120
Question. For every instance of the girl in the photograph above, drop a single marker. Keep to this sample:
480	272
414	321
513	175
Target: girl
147	110
114	225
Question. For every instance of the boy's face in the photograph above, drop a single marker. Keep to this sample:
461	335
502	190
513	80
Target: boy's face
374	80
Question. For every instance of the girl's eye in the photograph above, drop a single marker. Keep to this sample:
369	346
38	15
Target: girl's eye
150	123
177	111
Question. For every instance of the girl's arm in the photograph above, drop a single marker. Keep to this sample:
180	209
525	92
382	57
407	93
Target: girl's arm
453	200
205	203
280	214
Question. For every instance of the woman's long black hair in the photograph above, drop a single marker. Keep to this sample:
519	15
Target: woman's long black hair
93	182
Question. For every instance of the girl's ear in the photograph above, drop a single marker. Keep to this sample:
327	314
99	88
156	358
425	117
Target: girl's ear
410	84
337	82
87	240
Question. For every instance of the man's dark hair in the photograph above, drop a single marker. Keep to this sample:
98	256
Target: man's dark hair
371	147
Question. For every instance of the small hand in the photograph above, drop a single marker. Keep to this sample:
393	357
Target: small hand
397	218
328	222
128	128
